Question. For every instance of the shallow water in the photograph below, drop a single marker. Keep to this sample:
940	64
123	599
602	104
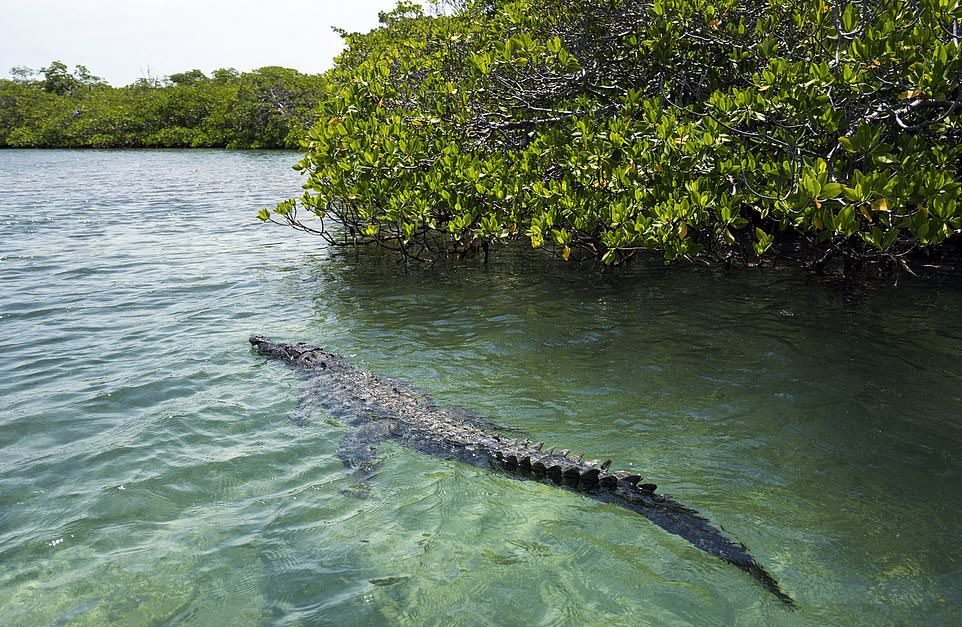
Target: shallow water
150	471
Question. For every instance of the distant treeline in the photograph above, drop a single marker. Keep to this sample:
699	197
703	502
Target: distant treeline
271	107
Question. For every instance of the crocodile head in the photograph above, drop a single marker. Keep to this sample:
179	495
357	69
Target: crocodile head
300	354
268	347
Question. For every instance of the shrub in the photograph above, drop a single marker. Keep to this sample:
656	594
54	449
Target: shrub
719	129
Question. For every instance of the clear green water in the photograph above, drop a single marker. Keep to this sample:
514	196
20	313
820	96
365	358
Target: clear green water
150	472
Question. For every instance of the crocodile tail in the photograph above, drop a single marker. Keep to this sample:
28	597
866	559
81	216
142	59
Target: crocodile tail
679	520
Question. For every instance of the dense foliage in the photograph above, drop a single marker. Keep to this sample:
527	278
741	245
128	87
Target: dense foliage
601	128
268	108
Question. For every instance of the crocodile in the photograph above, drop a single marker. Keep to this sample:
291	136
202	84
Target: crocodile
378	408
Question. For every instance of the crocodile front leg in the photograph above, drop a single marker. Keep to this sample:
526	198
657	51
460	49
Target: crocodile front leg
359	447
358	451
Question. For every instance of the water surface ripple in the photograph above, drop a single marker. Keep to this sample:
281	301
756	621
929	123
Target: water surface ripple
150	471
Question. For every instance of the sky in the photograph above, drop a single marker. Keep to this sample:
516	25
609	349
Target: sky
124	40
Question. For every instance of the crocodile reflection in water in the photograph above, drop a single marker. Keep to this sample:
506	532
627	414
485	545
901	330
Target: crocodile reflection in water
379	408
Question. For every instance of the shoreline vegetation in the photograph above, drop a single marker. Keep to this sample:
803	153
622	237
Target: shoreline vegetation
721	131
825	134
55	107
